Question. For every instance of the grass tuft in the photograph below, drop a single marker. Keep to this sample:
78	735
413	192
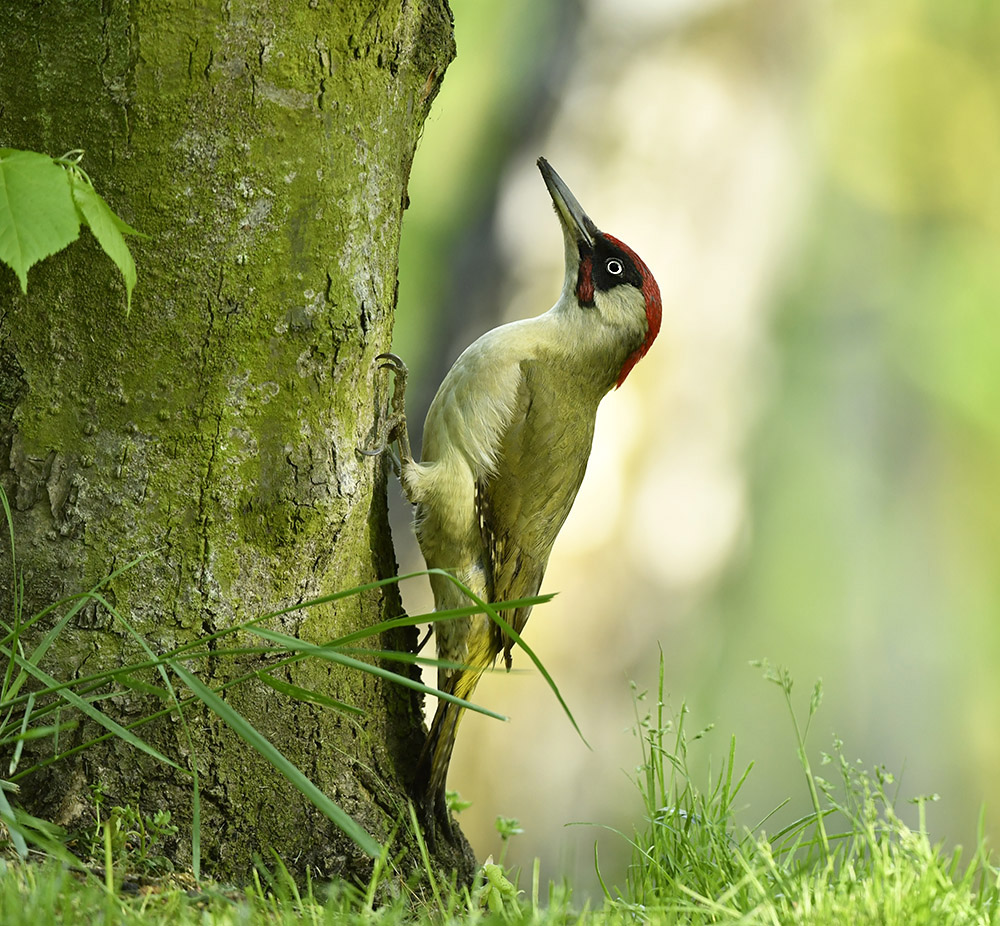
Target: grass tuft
52	706
852	859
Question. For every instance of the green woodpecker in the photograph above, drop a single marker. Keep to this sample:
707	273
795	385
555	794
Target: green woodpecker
505	447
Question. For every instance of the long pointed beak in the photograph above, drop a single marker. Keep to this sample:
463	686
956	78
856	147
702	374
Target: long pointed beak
575	221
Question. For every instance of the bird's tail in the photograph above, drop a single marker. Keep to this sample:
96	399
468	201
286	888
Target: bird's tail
435	757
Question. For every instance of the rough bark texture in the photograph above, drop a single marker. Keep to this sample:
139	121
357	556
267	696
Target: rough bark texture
264	149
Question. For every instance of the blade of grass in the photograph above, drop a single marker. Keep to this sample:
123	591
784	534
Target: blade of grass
331	654
247	732
171	695
40	733
50	637
16	591
305	694
16	758
418	834
434	617
516	637
44	836
7	815
94	714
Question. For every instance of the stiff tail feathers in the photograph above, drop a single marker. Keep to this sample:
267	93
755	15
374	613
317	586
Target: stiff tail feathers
435	757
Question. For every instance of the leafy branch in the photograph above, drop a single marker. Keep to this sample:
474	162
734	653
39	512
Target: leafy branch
43	202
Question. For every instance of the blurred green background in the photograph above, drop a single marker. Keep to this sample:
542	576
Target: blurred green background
805	466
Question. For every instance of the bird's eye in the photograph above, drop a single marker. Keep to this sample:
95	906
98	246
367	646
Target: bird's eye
614	267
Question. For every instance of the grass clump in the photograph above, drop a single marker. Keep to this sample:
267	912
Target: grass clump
851	859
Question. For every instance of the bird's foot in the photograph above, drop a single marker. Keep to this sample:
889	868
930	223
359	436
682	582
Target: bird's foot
391	425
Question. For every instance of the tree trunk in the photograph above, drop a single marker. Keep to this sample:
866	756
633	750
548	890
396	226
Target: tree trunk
264	149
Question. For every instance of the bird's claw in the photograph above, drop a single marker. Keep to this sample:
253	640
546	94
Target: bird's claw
426	637
393	362
392	426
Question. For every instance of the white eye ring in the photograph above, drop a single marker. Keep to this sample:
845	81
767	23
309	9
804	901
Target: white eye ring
614	267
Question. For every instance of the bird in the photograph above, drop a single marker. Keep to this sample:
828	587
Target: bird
505	447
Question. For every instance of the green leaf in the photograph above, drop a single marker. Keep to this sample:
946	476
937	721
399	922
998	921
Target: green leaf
37	215
107	229
291	772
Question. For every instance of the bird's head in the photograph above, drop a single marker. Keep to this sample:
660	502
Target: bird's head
605	276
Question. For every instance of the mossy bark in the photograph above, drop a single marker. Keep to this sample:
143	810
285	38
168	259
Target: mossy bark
264	149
